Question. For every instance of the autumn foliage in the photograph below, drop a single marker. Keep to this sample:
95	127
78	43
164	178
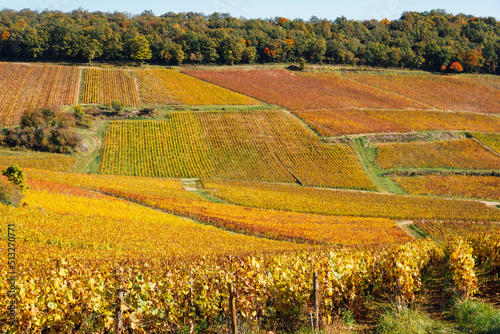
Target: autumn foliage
230	145
455	66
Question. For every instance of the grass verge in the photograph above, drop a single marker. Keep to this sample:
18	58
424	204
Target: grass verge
366	156
474	316
411	321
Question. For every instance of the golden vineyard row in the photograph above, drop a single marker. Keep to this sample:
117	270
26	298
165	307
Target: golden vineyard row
254	145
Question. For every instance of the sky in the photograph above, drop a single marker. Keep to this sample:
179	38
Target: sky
351	9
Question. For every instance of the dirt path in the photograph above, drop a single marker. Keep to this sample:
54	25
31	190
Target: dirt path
86	160
405	226
490	204
191	184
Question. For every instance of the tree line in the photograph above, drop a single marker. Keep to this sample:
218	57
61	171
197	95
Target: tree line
429	40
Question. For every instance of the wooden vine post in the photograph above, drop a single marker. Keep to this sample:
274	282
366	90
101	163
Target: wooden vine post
315	302
232	308
119	329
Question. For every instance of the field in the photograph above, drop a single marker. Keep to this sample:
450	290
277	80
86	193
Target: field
254	145
492	140
440	229
335	122
103	86
26	87
484	187
443	92
457	154
221	189
170	196
37	160
169	188
165	87
347	203
299	91
71	258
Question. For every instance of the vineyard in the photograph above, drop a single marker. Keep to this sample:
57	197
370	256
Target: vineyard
253	145
167	188
224	207
458	154
72	263
335	122
303	91
484	187
347	203
437	91
160	86
47	161
439	230
168	195
29	87
492	140
105	86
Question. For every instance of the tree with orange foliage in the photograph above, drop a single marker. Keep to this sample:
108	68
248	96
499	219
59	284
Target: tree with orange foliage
443	68
385	21
5	35
472	60
455	66
282	20
269	52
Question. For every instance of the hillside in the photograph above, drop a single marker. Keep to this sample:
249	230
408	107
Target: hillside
383	183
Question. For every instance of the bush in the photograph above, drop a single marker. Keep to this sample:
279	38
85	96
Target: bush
44	131
148	112
410	321
302	64
82	120
79	111
456	67
9	193
474	316
117	105
15	175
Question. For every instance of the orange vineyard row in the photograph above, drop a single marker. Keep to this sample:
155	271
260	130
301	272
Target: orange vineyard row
291	226
168	195
168	188
457	154
460	93
485	187
440	230
347	203
28	87
334	122
303	91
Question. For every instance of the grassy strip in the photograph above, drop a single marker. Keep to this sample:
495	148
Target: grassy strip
366	156
80	89
88	163
411	321
418	232
473	316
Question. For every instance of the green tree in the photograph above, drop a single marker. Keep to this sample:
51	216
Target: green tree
34	41
91	49
16	175
317	50
140	49
117	105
